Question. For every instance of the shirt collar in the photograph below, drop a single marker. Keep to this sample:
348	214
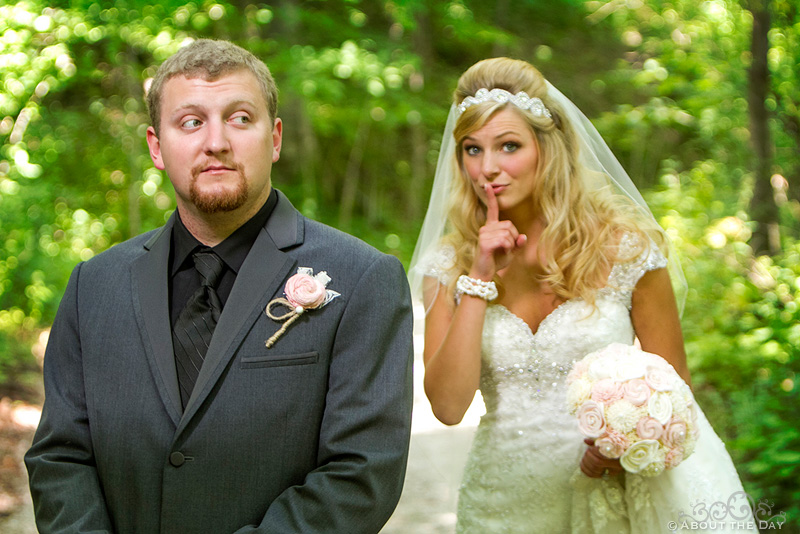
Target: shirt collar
232	250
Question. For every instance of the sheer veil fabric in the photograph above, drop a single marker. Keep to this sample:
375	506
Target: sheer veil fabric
600	169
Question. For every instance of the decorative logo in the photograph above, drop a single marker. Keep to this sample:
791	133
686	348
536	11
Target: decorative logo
740	512
304	291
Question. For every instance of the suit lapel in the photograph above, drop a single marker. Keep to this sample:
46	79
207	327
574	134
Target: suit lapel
262	272
150	287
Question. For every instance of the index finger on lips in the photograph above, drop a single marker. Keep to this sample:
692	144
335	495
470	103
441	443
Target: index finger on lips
492	210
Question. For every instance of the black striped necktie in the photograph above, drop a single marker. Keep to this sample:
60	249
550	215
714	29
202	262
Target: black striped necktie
195	325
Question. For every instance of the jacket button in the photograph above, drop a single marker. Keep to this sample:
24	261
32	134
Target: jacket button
177	459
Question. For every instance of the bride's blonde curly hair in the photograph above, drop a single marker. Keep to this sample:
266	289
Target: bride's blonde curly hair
580	240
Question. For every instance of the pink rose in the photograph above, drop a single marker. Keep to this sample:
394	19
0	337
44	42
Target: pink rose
675	432
590	419
636	391
606	390
612	444
660	379
305	291
649	428
578	370
673	458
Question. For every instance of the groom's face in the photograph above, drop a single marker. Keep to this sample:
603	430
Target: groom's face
217	142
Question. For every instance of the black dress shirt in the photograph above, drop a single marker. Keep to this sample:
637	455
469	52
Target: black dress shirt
184	278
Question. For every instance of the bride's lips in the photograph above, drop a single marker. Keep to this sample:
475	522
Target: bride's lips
498	188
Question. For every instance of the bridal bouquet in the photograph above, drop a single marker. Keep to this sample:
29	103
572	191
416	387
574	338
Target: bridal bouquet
635	406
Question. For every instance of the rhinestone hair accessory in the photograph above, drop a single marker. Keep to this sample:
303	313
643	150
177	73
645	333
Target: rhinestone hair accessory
598	166
521	100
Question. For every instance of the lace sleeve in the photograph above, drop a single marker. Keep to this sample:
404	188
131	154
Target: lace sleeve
439	263
435	269
625	275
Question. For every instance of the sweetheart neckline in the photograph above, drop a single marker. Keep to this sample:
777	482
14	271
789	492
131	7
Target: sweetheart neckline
546	318
544	323
600	291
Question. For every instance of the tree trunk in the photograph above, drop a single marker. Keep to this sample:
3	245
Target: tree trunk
353	173
763	209
419	172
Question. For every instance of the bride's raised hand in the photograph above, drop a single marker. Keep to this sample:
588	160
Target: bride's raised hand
498	241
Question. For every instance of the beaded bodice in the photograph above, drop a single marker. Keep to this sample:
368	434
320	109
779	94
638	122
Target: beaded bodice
522	474
521	368
527	446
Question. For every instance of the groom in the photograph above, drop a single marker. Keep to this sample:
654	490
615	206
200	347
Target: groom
165	409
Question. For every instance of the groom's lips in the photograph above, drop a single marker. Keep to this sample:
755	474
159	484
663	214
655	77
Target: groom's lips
217	169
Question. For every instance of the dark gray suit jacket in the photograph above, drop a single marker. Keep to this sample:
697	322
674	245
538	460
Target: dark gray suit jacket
309	436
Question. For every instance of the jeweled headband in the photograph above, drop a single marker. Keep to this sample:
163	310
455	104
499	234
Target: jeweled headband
521	100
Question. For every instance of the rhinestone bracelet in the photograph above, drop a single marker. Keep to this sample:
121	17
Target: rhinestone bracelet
477	288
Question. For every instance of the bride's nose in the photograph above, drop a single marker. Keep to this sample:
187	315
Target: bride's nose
490	167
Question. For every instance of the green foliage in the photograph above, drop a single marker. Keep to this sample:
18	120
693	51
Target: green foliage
683	132
365	88
742	330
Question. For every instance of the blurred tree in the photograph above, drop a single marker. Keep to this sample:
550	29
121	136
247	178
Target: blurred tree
763	210
365	91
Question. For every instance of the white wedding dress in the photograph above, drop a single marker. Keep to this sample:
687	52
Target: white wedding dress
522	474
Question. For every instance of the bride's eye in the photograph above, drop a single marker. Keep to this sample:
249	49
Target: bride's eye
510	146
471	150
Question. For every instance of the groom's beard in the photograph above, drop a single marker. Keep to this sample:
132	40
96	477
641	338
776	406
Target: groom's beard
219	202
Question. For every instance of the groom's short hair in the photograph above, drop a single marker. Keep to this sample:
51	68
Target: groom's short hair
210	59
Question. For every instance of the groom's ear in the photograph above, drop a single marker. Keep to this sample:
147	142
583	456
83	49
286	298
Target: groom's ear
155	148
277	139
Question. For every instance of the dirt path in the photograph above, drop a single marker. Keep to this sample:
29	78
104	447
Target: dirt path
18	420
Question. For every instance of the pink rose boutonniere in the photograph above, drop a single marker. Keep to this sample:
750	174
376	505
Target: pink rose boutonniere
304	291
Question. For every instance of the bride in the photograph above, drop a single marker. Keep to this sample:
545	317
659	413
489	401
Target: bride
536	250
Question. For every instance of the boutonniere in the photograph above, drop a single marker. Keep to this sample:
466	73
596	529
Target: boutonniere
304	291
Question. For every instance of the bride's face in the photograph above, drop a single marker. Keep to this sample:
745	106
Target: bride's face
504	154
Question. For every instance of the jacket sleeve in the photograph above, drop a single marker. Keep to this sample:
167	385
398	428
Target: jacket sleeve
366	424
66	491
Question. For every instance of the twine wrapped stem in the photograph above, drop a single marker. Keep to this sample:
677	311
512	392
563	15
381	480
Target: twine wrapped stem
291	316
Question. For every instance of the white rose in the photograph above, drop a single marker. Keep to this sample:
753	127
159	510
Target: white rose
640	455
599	369
660	407
629	368
661	379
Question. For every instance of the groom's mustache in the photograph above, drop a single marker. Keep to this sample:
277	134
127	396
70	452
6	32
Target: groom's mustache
216	164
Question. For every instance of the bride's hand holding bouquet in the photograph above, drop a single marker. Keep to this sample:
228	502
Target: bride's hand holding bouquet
635	406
